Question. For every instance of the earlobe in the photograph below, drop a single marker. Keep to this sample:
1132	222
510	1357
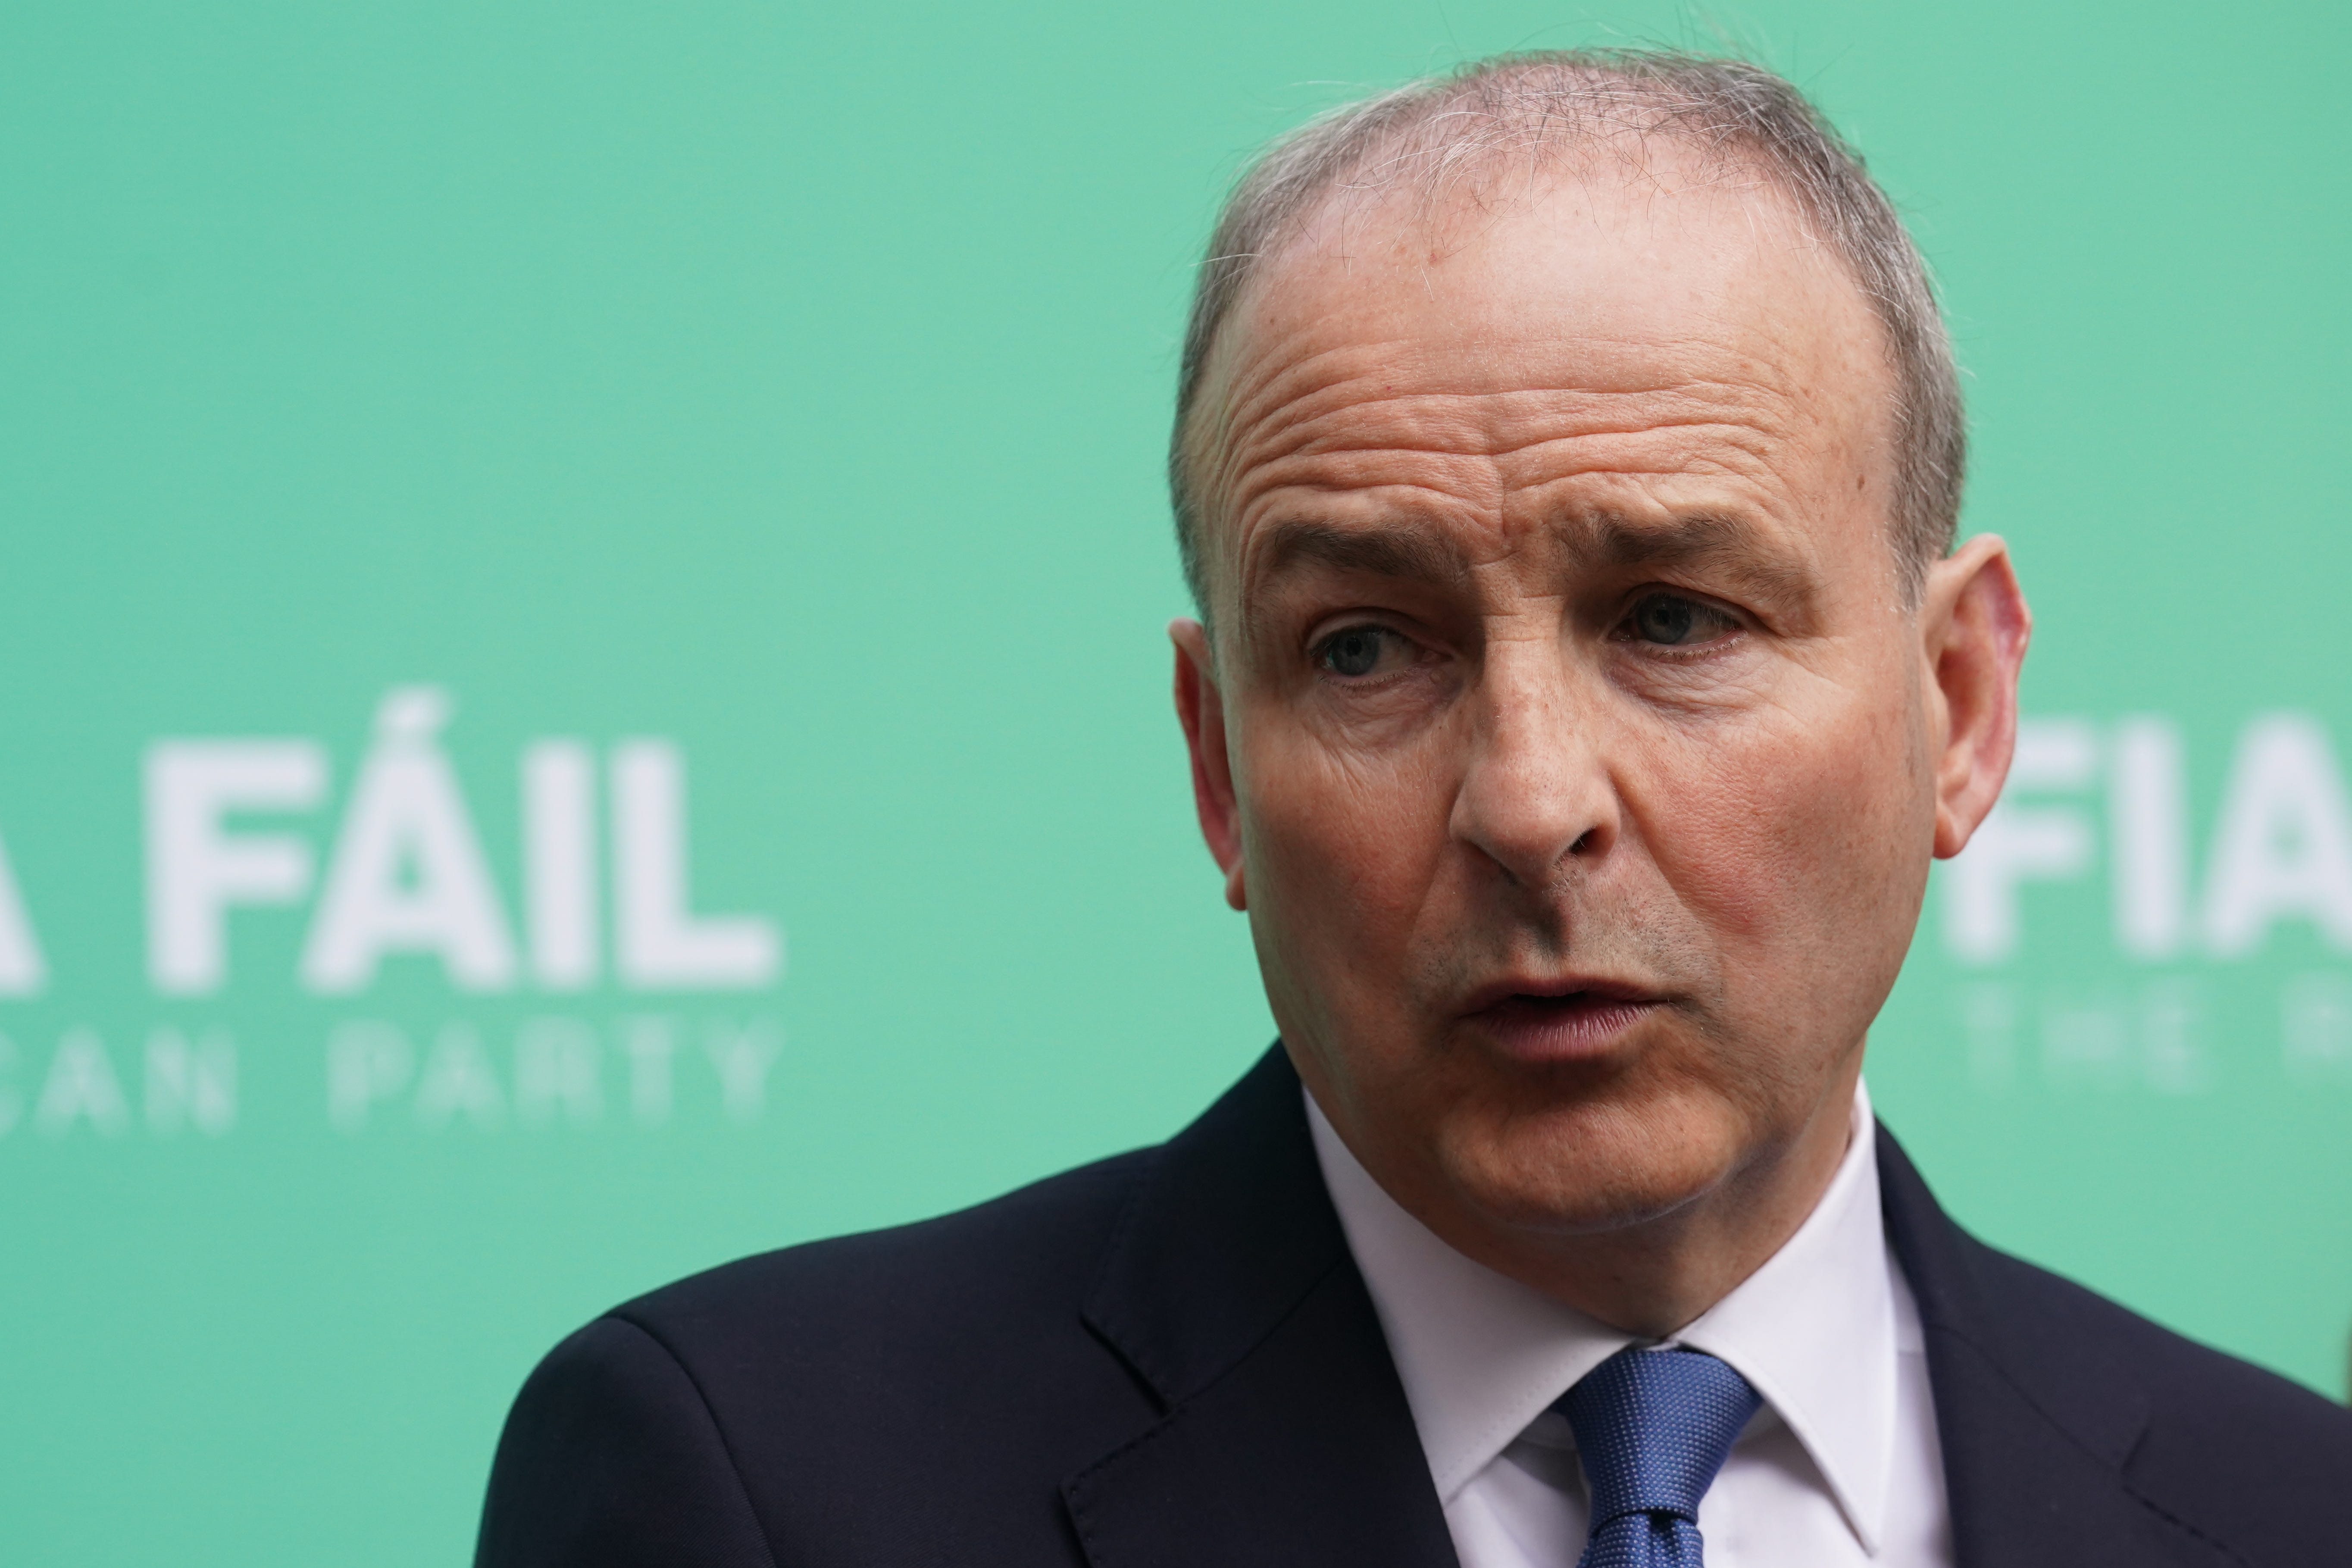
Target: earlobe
1977	627
1200	708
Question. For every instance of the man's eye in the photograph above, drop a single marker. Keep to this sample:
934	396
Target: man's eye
1670	620
1355	651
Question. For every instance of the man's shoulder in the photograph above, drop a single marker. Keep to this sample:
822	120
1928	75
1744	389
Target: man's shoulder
2215	1450
1028	1255
784	1397
2199	1401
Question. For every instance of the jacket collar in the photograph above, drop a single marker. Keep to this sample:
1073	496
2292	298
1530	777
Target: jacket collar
1228	1290
2038	1406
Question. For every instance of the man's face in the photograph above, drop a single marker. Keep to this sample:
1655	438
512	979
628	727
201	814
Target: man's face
1575	716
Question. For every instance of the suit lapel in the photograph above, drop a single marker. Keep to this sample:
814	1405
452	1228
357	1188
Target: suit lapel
2036	1412
1230	1292
1284	1438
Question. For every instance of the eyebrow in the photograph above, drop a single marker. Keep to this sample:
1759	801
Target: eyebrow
1599	541
1382	550
1731	545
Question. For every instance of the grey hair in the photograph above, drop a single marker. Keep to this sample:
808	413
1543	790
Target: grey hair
1441	126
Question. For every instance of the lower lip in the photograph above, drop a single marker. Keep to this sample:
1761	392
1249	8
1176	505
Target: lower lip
1560	1029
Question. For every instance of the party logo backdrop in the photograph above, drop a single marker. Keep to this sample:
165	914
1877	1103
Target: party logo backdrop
585	692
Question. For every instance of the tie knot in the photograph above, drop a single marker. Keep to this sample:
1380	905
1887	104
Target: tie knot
1653	1427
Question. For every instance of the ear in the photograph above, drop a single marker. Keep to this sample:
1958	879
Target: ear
1976	624
1200	708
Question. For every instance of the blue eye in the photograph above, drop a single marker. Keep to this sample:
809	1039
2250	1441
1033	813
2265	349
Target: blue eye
1353	652
1670	620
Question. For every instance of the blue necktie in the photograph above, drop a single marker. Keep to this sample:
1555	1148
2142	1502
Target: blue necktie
1652	1429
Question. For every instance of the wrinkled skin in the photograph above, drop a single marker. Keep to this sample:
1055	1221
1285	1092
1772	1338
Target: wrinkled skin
1567	729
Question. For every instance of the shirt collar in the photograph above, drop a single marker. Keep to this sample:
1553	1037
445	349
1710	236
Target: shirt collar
1482	1355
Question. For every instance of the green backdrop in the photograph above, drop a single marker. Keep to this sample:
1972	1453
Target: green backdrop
585	691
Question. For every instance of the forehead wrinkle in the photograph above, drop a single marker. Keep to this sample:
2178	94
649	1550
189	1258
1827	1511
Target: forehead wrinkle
1460	458
1431	483
1262	398
1264	414
1682	450
1538	434
1333	437
1300	400
1468	482
1456	399
1694	429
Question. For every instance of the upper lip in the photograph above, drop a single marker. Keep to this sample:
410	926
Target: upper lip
1598	988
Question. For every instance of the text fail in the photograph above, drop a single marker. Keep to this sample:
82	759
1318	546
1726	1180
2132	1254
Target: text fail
602	886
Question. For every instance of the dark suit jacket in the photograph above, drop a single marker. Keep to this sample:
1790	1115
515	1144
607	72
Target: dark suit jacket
1170	1358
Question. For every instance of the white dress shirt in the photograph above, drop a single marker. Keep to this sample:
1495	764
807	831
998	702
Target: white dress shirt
1839	1466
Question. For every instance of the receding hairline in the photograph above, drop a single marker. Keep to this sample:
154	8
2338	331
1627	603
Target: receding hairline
1442	217
1444	139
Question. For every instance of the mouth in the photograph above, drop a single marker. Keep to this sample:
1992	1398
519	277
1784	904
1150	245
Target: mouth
1563	1021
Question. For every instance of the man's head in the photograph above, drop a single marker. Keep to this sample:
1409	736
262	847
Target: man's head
1584	688
1460	138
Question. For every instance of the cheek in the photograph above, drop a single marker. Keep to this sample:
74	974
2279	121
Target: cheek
1341	847
1790	842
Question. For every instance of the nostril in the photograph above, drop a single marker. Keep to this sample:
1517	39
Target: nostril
1583	842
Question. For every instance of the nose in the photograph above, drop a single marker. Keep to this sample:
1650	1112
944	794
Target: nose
1537	795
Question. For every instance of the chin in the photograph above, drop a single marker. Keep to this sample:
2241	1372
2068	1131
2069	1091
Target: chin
1583	1168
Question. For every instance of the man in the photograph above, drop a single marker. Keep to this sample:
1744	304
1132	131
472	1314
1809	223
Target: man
1567	466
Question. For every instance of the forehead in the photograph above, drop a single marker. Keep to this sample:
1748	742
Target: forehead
1670	324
